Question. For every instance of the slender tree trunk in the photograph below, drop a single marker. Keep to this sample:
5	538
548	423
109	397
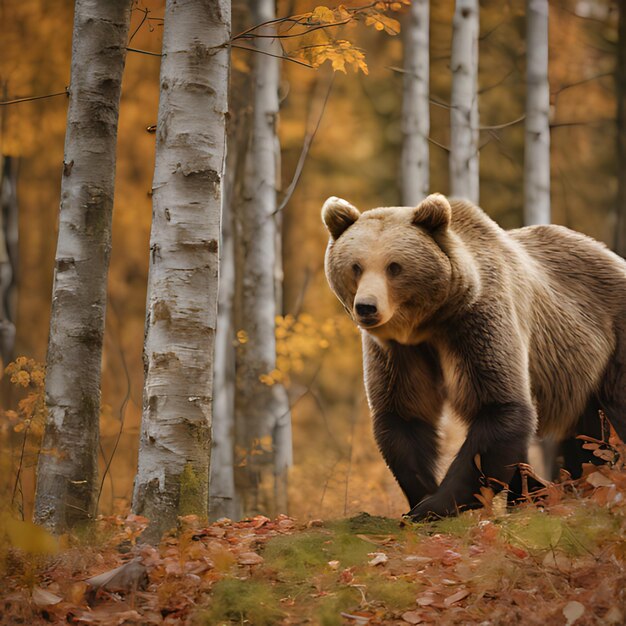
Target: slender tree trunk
415	104
261	409
620	87
67	471
173	473
537	146
464	175
8	256
222	498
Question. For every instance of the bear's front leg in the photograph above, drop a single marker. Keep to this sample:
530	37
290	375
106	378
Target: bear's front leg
499	435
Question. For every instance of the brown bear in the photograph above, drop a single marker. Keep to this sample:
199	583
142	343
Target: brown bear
517	332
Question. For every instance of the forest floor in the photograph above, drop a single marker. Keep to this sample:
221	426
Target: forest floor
557	560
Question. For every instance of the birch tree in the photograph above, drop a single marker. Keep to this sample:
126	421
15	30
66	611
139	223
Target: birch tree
537	144
620	88
415	104
67	469
464	175
173	472
8	256
263	429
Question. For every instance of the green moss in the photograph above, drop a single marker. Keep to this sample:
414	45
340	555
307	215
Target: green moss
367	524
328	612
458	526
396	594
234	600
193	497
298	557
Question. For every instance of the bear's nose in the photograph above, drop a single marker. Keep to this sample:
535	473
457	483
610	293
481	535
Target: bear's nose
366	310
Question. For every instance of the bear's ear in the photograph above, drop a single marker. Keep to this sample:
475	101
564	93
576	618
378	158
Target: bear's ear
338	215
433	212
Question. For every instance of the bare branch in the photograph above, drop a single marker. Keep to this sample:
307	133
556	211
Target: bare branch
308	141
31	98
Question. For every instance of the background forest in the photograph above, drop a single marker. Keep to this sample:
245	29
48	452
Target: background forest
352	121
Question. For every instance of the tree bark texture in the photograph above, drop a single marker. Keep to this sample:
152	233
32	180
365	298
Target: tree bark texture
222	496
464	174
262	417
620	87
415	105
67	470
174	452
537	144
8	256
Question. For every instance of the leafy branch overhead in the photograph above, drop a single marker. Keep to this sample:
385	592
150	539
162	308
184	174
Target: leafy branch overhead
308	38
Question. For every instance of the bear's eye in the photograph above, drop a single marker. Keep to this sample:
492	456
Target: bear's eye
394	269
357	270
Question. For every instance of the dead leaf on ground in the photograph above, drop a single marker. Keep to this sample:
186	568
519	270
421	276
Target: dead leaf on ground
412	617
249	558
43	598
131	575
378	558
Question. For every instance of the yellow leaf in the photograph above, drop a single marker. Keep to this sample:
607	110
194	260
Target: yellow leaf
323	15
28	537
242	336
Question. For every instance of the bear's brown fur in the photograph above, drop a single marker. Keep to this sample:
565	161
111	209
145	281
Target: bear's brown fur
517	331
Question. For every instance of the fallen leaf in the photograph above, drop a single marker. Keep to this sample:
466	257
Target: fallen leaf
412	617
43	598
333	564
131	575
249	558
379	558
572	611
455	597
426	599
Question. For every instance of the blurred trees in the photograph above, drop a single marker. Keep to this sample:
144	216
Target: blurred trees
355	154
8	256
415	170
174	451
464	181
262	417
68	468
537	143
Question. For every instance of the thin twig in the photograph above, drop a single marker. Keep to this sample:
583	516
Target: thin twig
122	410
145	12
276	56
306	146
31	98
152	54
521	118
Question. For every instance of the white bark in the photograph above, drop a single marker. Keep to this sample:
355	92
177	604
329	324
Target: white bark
537	145
173	472
8	256
415	105
222	498
261	411
464	175
67	471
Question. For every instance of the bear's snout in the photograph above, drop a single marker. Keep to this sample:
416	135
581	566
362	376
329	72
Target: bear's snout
367	311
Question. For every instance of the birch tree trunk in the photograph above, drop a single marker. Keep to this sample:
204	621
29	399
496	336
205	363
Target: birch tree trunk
415	105
174	452
537	145
620	88
222	497
261	410
8	257
464	175
67	470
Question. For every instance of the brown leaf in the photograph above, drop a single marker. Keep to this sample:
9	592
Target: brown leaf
131	575
455	597
412	617
249	558
43	598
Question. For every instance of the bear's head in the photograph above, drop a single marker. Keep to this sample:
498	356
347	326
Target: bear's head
386	265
